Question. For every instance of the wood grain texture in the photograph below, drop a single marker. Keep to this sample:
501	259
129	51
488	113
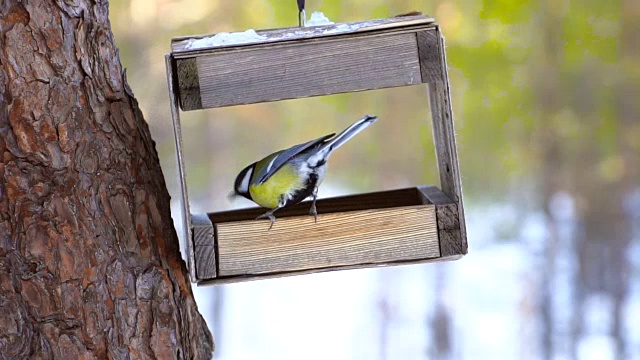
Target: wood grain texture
298	254
337	239
235	279
206	262
449	234
203	233
448	218
204	246
185	212
180	45
188	83
450	243
367	201
429	55
445	140
309	69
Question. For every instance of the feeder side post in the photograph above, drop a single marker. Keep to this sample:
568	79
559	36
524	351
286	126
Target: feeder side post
184	203
433	63
205	247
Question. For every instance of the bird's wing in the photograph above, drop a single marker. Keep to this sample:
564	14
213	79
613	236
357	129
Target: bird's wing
281	157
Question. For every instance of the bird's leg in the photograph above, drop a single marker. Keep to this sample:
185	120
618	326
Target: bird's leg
269	214
313	211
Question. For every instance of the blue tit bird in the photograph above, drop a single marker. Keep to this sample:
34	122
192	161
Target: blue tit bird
289	176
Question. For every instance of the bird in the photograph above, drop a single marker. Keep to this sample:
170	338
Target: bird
289	176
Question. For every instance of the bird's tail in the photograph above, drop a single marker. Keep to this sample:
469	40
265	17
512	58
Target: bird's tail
327	148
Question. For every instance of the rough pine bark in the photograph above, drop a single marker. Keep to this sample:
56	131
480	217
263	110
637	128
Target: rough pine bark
89	260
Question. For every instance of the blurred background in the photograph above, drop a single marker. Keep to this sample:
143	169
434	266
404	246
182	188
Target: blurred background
547	107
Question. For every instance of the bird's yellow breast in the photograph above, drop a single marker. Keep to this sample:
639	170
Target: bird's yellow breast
285	181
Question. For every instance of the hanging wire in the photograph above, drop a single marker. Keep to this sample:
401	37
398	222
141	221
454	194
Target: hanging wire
302	15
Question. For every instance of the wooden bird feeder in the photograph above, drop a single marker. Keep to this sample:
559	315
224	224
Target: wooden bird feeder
415	225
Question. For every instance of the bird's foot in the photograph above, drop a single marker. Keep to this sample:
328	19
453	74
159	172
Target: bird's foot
313	211
268	215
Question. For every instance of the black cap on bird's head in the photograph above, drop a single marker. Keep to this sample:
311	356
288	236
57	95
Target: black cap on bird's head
241	186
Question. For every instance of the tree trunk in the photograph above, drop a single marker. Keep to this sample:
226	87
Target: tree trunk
89	259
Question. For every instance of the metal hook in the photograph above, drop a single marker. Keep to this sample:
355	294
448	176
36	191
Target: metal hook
302	14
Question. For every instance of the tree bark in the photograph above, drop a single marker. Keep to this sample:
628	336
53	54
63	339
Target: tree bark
89	259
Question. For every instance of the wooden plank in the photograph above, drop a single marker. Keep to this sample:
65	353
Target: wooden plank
185	215
189	84
337	239
182	45
373	200
429	55
430	194
303	70
235	279
409	197
451	242
445	140
202	230
448	218
205	246
206	262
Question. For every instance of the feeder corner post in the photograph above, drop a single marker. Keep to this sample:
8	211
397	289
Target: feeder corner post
434	69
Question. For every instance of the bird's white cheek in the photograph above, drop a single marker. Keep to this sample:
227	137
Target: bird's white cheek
244	184
304	170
